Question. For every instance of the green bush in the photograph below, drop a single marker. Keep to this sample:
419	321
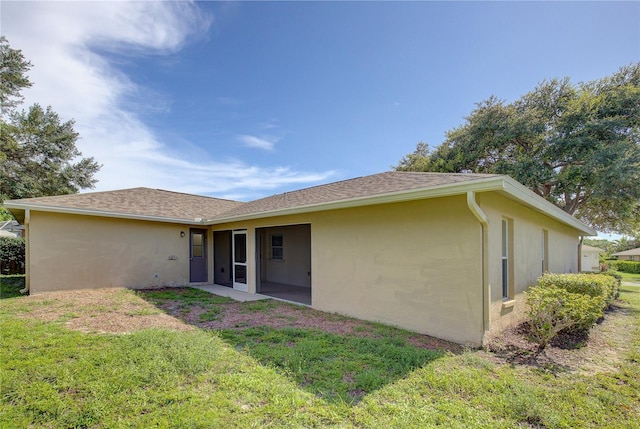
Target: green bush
12	259
602	287
554	309
625	266
618	280
569	302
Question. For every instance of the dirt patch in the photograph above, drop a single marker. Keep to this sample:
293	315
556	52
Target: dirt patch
600	350
123	311
278	315
100	310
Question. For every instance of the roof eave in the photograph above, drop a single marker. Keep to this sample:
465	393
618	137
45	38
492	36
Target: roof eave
498	183
16	205
505	184
531	199
481	185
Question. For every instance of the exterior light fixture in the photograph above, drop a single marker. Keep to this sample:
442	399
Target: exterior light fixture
181	233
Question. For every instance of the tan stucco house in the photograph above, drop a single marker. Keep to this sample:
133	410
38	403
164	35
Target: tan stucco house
448	255
629	255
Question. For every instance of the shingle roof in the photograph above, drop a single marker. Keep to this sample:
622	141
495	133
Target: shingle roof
367	186
140	202
630	252
393	186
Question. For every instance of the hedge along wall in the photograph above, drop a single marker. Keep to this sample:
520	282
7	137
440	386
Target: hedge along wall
628	266
12	259
624	266
568	302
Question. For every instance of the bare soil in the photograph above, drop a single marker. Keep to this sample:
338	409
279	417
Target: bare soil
124	311
101	310
599	350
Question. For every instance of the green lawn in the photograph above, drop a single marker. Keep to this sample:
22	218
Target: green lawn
55	377
630	277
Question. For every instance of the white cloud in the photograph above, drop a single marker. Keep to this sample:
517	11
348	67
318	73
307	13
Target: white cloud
61	41
257	142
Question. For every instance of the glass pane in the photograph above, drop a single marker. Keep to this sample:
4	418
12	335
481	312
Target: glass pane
505	280
240	274
504	237
276	240
196	239
240	248
276	253
197	251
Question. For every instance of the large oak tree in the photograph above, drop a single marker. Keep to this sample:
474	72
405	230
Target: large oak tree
578	146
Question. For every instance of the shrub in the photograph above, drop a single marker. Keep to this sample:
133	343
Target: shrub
554	309
616	275
569	302
603	287
628	266
12	255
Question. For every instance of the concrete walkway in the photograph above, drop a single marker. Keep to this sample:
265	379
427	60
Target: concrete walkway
231	293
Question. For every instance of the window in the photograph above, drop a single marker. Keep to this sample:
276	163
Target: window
545	251
507	258
277	250
197	244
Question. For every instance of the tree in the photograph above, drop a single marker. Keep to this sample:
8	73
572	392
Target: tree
38	153
601	243
578	146
13	79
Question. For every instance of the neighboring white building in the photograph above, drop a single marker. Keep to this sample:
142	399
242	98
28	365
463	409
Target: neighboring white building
590	259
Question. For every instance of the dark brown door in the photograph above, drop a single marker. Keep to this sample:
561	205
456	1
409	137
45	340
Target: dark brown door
198	256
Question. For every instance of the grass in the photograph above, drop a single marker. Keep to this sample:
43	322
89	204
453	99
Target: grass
188	296
289	378
10	286
335	367
629	277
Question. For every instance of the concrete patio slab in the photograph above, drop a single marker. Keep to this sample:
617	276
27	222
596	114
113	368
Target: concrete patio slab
231	293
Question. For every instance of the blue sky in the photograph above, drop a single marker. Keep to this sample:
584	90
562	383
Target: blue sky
246	99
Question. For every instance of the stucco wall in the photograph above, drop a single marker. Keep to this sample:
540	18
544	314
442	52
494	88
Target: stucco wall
79	252
527	254
416	265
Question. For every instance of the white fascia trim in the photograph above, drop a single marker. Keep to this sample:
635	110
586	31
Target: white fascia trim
101	213
535	201
482	185
499	183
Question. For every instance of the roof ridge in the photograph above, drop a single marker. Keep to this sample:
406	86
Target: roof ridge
192	195
374	175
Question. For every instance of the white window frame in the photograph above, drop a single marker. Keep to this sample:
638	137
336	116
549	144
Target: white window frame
274	254
545	251
507	259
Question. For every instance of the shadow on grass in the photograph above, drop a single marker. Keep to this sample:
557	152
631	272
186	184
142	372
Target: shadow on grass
10	286
336	366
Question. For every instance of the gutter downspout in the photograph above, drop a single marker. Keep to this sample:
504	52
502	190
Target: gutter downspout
484	223
27	280
580	254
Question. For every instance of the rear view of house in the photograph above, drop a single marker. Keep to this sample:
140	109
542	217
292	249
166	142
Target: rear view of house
448	255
